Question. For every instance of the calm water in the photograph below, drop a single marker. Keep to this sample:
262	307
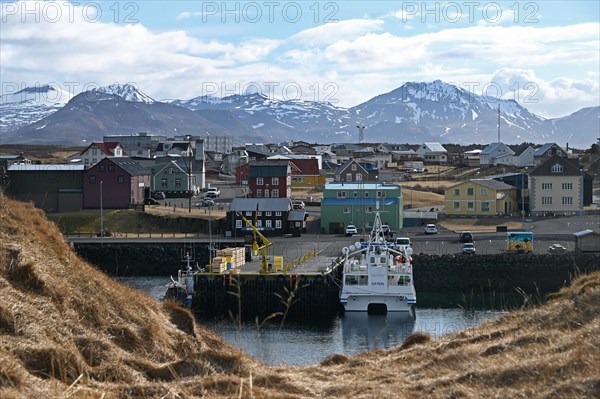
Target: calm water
308	343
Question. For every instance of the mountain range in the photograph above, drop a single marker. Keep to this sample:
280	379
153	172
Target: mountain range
413	113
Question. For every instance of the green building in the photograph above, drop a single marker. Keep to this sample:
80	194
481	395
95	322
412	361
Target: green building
51	187
355	203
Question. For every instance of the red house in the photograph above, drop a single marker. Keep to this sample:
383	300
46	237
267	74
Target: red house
122	180
270	179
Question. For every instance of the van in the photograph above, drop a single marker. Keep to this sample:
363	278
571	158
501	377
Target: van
403	241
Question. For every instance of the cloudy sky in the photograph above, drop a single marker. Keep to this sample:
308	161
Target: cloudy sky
544	54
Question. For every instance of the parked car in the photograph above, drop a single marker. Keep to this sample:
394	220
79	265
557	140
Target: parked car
106	233
404	241
151	201
431	229
468	248
351	230
385	228
213	192
557	248
159	195
298	204
207	201
465	236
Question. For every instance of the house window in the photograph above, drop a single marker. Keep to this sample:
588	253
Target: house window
92	179
347	210
485	207
369	209
121	179
348	176
259	213
353	167
277	213
275	181
457	206
379	194
111	168
470	191
101	168
546	186
359	177
567	186
470	206
248	213
259	181
278	224
567	200
164	183
275	193
341	194
177	182
457	192
258	224
268	213
556	168
86	161
259	192
94	160
268	223
546	200
483	192
238	224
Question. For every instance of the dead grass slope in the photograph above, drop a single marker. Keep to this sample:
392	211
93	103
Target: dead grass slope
67	330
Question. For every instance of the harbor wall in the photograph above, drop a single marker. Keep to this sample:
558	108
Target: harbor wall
543	273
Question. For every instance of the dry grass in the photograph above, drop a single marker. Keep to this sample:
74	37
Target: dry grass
479	225
67	330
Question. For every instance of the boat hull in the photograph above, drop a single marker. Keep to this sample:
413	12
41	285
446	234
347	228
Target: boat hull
360	303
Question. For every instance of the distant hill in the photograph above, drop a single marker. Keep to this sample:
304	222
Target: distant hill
415	112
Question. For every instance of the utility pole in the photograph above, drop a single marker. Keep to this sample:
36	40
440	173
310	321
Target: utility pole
190	152
101	217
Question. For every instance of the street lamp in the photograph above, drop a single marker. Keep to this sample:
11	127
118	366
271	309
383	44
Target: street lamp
101	217
189	137
523	195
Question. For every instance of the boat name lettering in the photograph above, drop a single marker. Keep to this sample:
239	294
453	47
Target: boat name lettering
377	283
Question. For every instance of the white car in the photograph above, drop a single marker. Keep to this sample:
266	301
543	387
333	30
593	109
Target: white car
351	230
468	248
403	241
213	192
431	229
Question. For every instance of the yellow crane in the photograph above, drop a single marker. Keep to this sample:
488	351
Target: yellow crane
255	247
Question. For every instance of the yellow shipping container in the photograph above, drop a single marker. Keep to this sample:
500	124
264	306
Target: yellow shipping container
278	263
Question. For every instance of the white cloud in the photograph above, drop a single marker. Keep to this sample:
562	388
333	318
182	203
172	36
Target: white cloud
357	58
332	32
557	97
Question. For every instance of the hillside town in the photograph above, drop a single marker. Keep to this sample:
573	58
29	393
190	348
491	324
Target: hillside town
346	181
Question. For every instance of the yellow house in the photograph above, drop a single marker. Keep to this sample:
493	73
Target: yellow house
481	197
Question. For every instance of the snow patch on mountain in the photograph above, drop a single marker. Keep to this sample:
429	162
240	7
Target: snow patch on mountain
126	91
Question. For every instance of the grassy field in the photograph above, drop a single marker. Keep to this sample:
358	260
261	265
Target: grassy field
68	330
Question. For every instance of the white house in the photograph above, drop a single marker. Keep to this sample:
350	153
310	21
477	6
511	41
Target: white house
433	153
496	154
97	151
523	156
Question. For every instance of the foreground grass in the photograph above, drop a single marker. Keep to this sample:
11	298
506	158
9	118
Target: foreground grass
67	330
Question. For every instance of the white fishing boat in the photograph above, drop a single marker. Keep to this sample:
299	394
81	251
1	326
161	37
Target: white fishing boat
378	275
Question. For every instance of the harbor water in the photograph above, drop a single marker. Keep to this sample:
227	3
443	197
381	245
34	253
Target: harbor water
303	343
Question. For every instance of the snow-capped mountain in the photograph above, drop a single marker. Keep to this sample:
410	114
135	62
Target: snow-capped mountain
126	91
115	109
450	114
292	119
29	105
413	113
